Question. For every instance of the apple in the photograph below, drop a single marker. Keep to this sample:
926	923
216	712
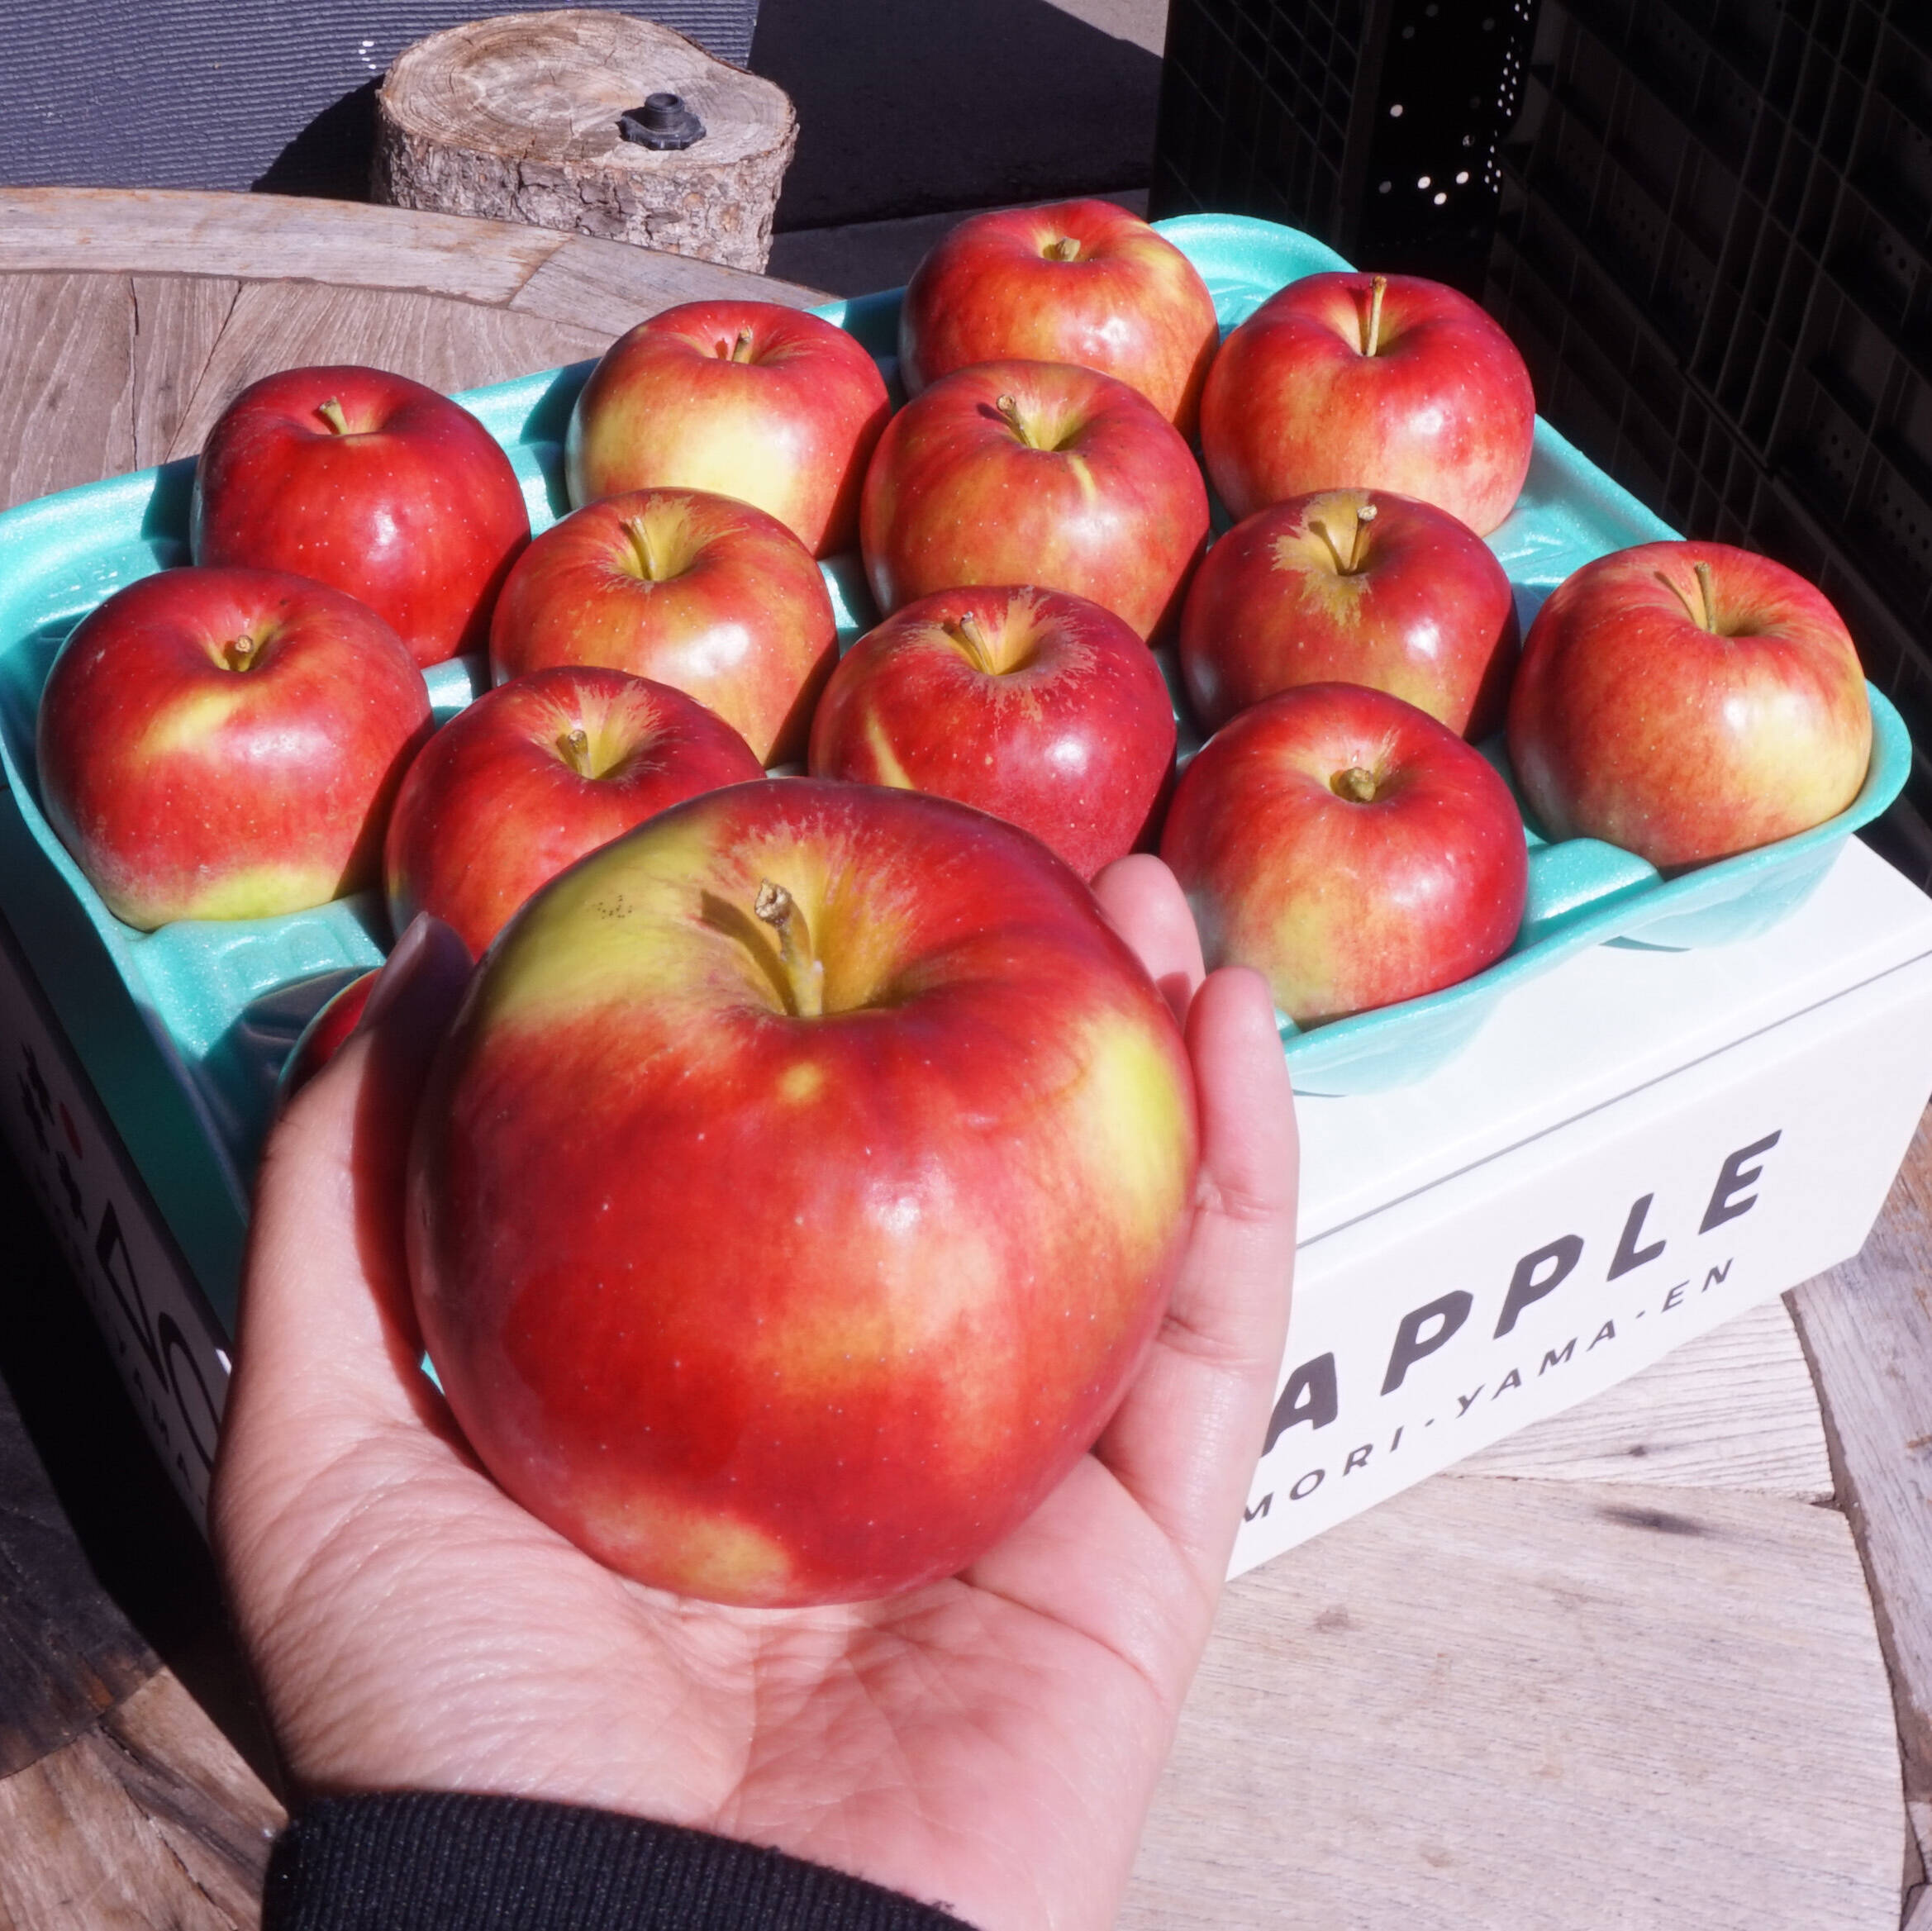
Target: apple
533	775
746	399
1343	381
1041	708
370	482
326	1035
797	1190
1357	587
1687	700
711	596
225	744
1349	847
1080	281
1035	472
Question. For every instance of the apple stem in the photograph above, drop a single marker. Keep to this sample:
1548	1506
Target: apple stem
969	634
1377	287
1364	517
1009	413
741	349
639	531
804	976
1704	590
574	747
1066	248
241	653
1700	618
331	413
1356	784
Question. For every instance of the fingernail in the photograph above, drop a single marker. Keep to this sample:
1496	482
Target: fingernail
396	973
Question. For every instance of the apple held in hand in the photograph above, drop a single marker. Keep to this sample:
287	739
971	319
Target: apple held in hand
324	1035
225	744
1686	701
1082	282
711	596
745	399
1350	849
1034	473
373	483
1042	708
534	774
797	1190
1356	587
1370	381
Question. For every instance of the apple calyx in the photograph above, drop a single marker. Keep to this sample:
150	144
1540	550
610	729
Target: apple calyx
1357	784
1066	248
1372	335
331	413
739	350
803	977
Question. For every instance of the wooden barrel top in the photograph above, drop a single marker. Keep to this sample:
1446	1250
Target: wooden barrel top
1661	1661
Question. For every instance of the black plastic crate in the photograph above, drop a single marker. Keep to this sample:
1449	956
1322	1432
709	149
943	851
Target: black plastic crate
1714	247
1371	123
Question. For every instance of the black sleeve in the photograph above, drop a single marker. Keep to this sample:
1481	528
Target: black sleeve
422	1861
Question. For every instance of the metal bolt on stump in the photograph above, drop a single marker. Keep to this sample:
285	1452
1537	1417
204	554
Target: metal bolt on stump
593	123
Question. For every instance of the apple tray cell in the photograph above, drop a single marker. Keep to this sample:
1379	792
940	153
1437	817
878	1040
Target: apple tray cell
183	1029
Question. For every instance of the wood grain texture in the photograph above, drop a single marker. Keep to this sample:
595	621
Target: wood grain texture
148	1818
1866	1328
515	118
608	286
1734	1408
258	237
448	345
1552	1706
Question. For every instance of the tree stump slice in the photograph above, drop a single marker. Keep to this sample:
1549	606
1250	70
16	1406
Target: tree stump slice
516	118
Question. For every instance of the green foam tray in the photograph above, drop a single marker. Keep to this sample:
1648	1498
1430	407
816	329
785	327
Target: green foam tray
183	1029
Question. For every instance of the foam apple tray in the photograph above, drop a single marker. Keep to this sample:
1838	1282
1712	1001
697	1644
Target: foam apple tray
184	1029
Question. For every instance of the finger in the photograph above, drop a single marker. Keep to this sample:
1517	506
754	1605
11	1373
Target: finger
326	1331
1186	1439
1145	905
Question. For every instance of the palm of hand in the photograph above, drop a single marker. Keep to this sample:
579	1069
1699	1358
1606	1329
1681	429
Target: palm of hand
990	1743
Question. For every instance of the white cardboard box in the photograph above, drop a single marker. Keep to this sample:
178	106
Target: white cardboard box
1638	1145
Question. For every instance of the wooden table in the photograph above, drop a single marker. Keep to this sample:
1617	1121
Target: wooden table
1624	1669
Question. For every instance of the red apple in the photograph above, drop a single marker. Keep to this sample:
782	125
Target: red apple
1035	472
1356	587
324	1035
225	744
1686	701
1042	708
373	483
797	1191
709	596
1370	381
1349	847
746	399
533	775
1080	280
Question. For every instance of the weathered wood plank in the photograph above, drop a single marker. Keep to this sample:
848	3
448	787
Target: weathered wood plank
255	237
1866	1328
1735	1409
96	371
1547	1705
150	1818
605	285
448	345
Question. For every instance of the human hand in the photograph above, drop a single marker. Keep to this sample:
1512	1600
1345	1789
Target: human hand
990	1743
